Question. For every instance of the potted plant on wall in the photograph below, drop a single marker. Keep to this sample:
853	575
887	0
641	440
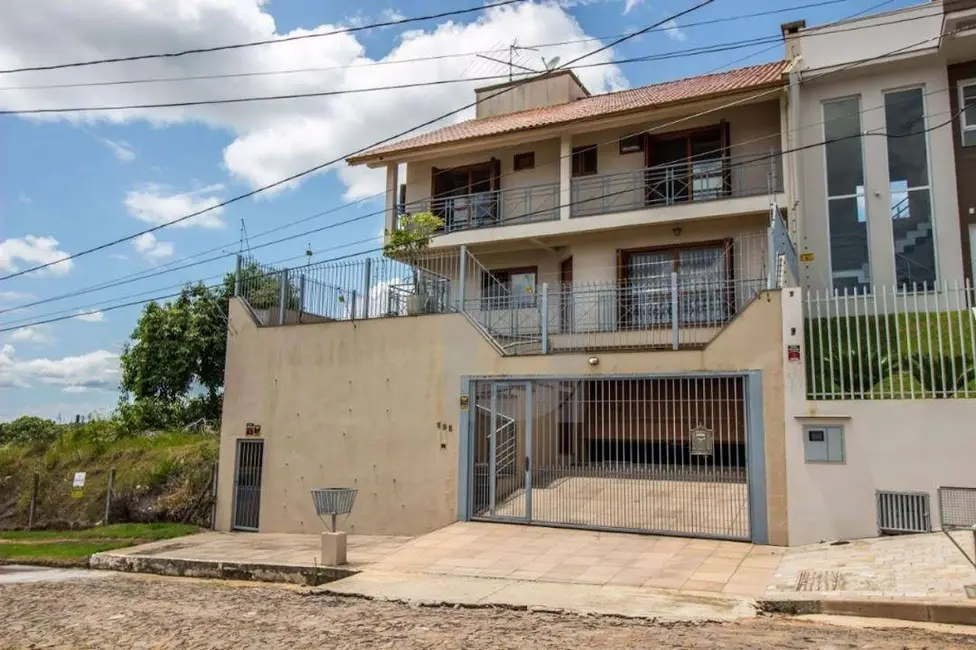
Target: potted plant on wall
411	237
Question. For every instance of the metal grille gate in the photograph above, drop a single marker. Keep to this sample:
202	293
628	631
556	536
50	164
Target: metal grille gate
247	484
657	455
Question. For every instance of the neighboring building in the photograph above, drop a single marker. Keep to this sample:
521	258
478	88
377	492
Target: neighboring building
887	177
611	330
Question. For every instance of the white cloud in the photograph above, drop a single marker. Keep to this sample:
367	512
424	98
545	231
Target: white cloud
390	15
630	5
151	248
122	149
271	140
673	31
157	204
91	316
119	256
38	335
33	250
15	296
97	370
24	198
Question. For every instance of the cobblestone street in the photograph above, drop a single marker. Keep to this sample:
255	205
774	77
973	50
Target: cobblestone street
146	612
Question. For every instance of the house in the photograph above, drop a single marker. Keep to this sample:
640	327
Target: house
643	311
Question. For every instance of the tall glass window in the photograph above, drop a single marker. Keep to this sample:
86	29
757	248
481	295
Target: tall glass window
850	263
911	198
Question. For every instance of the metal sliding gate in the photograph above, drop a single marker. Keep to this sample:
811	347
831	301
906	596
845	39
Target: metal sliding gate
247	484
663	455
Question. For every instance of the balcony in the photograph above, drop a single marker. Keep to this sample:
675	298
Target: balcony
493	208
675	184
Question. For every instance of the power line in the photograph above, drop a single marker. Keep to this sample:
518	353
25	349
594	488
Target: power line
74	310
320	166
775	40
436	57
821	143
270	41
351	91
124	280
757	158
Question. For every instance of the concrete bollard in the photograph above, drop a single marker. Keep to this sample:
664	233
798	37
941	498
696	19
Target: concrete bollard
333	549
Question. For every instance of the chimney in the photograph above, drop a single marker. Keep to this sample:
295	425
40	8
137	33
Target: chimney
790	31
559	87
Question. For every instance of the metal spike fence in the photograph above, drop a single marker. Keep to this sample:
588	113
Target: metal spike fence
891	343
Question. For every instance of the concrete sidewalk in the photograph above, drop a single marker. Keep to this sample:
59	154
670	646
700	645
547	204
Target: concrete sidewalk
631	602
917	577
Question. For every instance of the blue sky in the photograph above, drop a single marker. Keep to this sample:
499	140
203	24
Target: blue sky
70	182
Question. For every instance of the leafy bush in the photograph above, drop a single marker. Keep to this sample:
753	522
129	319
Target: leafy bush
29	430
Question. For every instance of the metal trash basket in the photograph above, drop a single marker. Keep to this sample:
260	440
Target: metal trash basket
332	502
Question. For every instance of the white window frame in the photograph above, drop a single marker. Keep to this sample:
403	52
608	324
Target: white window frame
862	196
961	85
928	175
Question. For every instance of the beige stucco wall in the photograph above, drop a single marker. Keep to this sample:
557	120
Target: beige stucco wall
754	132
901	31
902	445
499	99
869	85
374	405
595	267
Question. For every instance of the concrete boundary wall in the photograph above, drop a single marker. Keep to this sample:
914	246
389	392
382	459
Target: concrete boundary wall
375	405
901	445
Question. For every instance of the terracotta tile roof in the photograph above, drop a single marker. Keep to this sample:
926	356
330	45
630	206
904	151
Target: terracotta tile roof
655	95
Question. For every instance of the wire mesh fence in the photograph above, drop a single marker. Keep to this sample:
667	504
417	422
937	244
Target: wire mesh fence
891	343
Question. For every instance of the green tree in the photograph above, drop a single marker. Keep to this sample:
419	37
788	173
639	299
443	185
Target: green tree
407	243
173	364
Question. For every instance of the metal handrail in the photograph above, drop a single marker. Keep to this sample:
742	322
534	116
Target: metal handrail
491	208
703	179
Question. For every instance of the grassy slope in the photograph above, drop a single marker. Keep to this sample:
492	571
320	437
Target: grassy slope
74	547
846	352
140	532
162	477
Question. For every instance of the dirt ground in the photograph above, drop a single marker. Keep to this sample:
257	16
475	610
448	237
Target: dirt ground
146	612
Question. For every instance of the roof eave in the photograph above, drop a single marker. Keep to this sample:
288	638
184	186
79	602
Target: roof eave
379	160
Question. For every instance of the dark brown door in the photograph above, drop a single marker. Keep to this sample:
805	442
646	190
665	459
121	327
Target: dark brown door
566	295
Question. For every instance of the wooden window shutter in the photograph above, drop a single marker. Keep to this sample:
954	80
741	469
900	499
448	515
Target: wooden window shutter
434	176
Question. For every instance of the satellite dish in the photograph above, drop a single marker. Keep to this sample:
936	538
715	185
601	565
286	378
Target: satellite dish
551	63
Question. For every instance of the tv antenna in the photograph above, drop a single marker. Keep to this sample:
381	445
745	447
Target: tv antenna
513	50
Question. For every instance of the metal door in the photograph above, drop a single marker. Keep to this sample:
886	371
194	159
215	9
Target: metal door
247	484
664	455
503	451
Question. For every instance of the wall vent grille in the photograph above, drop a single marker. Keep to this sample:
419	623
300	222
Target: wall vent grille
903	512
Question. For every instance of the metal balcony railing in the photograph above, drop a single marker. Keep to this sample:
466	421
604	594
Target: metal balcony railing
493	208
686	182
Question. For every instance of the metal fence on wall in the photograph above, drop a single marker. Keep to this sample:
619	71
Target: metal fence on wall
351	290
891	343
659	299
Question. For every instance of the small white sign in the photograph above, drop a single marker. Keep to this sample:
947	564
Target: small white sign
79	481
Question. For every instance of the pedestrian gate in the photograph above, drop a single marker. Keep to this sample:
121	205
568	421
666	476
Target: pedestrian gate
247	484
655	455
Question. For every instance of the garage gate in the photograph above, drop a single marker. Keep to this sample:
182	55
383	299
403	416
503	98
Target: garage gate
665	455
